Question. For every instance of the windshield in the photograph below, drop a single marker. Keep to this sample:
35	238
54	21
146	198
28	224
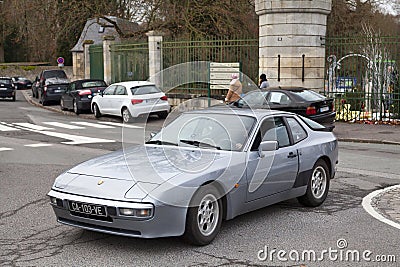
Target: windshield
5	81
210	131
256	98
93	84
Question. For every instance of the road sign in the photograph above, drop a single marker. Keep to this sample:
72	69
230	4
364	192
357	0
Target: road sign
60	61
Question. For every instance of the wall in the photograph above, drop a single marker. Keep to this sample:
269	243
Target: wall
30	72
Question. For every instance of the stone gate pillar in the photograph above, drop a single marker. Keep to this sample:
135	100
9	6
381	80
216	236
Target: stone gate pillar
292	41
155	61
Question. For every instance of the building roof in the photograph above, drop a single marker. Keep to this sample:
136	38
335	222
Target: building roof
96	28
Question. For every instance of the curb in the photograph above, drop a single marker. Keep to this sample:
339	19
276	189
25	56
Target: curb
34	103
370	141
368	207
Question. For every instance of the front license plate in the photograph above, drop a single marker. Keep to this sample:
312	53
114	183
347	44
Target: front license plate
87	208
323	109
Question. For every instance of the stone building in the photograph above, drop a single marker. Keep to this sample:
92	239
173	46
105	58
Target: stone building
94	32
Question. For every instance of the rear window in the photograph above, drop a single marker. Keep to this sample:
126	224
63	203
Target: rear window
314	125
5	81
93	84
309	95
54	74
144	90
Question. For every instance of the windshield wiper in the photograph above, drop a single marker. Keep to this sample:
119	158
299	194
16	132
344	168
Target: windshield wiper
199	144
161	142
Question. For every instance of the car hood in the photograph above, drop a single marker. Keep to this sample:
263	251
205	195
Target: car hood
133	173
55	80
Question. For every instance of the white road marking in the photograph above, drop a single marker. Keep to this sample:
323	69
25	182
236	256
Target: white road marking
5	149
32	126
366	203
64	125
120	124
38	145
76	139
5	128
95	125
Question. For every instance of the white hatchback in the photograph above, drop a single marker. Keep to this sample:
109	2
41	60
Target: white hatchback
131	99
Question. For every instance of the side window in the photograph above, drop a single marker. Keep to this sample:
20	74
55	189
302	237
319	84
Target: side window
278	98
109	90
120	90
272	129
72	87
298	132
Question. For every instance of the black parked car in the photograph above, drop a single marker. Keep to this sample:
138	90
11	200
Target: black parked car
52	84
79	94
22	83
293	99
7	88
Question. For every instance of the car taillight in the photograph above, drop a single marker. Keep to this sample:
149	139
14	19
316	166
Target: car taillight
136	101
85	92
165	98
311	110
45	88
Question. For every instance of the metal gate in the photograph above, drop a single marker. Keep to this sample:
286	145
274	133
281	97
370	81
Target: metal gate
362	76
242	51
96	62
129	62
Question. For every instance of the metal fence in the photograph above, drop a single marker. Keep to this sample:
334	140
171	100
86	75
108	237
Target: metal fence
96	62
242	51
129	62
362	76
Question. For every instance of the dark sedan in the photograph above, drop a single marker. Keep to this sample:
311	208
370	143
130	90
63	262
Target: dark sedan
79	94
298	100
22	83
7	88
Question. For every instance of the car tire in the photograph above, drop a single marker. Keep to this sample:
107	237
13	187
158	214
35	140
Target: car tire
204	216
42	100
76	109
126	115
96	111
62	105
318	185
163	114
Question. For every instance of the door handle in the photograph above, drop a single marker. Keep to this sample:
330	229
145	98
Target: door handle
292	155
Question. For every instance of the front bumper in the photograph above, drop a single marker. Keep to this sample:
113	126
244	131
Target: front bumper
166	220
7	93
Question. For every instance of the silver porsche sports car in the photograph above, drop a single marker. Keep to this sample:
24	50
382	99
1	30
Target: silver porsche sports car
204	167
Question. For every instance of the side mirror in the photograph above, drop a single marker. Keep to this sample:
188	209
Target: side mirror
152	134
266	146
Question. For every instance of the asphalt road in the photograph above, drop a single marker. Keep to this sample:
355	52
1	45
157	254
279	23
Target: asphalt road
30	236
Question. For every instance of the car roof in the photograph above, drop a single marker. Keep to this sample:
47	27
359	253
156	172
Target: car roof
258	113
8	78
130	84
